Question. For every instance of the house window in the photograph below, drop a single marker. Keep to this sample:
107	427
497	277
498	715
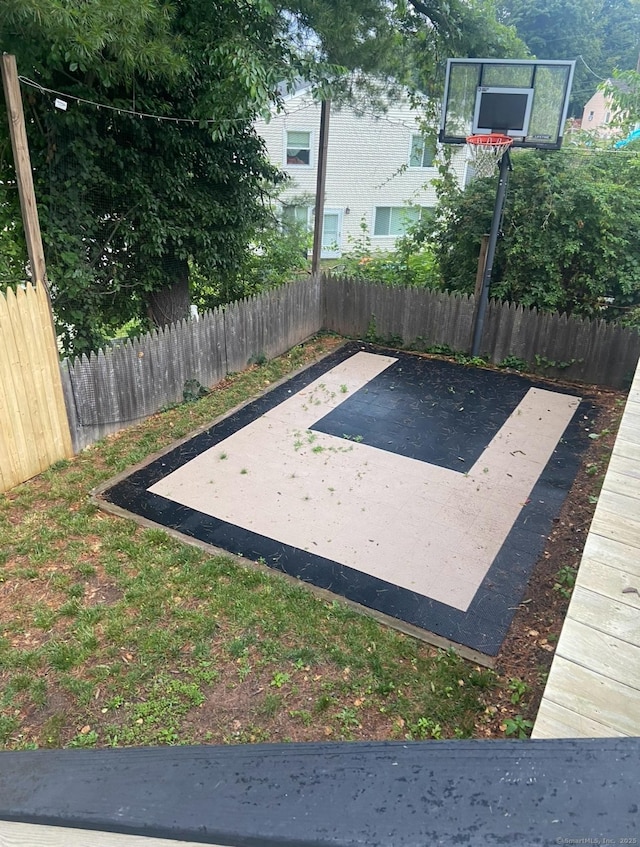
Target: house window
295	216
607	117
590	118
394	220
422	152
298	148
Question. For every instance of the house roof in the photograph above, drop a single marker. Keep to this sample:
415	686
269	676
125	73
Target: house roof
287	90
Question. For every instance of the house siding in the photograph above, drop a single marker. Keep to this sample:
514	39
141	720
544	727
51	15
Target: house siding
598	114
367	163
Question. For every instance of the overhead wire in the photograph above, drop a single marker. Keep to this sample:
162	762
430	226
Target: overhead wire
122	110
591	71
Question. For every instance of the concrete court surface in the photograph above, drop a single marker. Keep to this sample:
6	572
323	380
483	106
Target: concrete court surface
418	488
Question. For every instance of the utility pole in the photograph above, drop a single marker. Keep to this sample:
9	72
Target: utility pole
320	183
19	144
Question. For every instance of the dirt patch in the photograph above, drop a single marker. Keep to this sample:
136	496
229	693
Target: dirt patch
268	708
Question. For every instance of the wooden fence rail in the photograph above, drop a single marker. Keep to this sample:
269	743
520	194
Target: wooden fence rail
34	431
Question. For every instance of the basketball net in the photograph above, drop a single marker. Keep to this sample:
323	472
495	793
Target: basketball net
487	150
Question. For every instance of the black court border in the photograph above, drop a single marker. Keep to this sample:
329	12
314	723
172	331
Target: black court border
482	627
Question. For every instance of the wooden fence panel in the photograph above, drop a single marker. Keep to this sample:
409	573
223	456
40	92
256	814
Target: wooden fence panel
270	323
212	366
591	351
34	431
419	317
579	349
342	314
132	379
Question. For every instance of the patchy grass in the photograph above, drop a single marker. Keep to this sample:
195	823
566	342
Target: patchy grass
112	634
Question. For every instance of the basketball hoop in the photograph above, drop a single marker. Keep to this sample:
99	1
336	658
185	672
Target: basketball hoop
487	150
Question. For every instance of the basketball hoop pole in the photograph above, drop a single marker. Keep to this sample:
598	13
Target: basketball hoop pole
483	299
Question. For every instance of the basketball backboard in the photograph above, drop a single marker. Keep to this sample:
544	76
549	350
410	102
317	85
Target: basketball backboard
524	99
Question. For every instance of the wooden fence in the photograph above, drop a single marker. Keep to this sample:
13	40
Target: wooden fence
413	317
34	431
128	381
590	351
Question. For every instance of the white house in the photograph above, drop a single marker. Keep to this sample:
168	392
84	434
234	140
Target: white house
379	169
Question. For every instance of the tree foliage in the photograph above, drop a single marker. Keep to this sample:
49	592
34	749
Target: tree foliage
624	90
134	209
552	29
618	31
601	35
407	40
128	202
412	263
111	39
569	233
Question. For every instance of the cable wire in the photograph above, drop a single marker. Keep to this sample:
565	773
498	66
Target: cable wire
122	111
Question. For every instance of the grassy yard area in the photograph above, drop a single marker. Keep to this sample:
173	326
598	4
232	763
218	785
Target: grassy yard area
112	634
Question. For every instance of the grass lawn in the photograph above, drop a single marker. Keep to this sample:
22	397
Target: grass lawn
112	634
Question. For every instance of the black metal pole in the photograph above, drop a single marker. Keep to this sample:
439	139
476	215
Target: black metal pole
483	300
320	183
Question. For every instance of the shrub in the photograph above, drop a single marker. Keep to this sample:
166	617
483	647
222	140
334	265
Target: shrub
569	233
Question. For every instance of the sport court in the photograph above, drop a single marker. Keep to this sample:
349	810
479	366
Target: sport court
421	489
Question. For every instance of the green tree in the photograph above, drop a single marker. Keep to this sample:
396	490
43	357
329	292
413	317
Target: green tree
560	29
624	90
619	32
131	207
569	233
127	203
384	46
553	29
601	35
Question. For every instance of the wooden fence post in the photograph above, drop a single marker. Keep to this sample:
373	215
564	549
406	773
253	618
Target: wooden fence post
22	162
